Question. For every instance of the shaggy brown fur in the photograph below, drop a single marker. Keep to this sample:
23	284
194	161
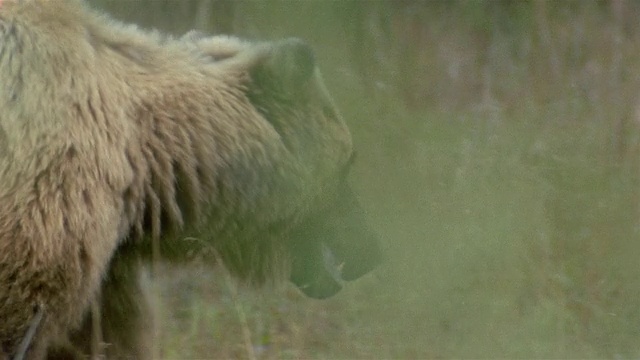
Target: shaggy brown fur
111	137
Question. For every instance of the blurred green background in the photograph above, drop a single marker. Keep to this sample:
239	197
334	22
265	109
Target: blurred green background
498	148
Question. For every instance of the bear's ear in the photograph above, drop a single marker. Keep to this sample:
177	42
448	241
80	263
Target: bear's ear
285	64
290	62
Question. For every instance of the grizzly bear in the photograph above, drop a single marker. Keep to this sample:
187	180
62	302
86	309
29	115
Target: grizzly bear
118	146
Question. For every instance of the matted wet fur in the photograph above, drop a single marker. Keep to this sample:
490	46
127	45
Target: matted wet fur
113	140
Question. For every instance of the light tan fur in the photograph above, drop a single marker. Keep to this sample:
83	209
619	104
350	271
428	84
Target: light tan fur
112	136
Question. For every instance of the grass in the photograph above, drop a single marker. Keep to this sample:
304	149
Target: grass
498	159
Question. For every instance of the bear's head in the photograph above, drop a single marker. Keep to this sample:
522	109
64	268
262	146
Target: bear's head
329	241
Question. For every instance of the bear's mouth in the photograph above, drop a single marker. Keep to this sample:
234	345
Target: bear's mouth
327	281
333	246
323	275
